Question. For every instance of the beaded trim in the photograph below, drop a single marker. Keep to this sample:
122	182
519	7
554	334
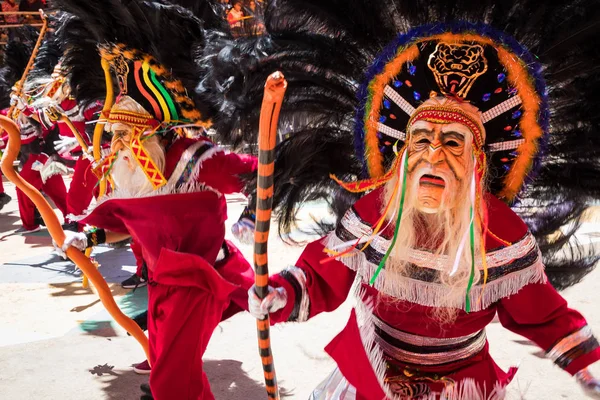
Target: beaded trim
503	146
501	108
131	118
418	340
465	349
297	279
357	228
399	100
395	133
510	268
573	346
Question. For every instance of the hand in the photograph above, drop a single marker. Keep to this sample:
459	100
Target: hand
75	239
65	144
54	112
243	230
276	299
589	384
18	102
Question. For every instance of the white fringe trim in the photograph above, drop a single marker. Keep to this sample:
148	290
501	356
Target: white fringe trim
466	389
435	294
193	187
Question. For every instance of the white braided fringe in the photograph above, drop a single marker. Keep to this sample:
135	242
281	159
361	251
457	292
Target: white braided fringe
466	389
435	294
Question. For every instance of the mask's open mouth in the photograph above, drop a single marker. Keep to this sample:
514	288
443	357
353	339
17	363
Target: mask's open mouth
432	180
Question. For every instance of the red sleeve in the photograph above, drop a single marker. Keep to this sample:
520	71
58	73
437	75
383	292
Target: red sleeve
223	171
540	314
91	112
326	287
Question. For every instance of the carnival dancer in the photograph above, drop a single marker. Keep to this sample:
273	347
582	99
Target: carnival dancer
448	119
169	190
54	100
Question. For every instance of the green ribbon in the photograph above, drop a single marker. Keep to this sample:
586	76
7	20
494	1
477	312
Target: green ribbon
397	228
472	276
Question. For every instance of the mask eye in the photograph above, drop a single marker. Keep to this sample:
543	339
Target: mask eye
452	143
423	141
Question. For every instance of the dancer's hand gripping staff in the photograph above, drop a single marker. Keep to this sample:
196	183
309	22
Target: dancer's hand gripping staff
267	139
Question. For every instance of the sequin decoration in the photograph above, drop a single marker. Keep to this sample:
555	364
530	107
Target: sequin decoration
392	116
486	96
501	77
387	104
417	95
512	91
412	69
508	128
517	133
382	119
516	114
408	83
499	90
397	83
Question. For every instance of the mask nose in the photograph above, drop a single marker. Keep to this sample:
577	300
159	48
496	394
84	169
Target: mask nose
435	155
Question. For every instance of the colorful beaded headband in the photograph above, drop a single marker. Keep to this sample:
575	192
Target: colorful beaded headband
448	115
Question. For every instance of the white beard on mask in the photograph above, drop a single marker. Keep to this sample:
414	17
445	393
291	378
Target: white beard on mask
128	182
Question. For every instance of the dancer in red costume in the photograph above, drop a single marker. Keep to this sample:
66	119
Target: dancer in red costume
169	193
54	100
448	112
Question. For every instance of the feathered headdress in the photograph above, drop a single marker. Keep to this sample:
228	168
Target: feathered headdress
150	47
357	70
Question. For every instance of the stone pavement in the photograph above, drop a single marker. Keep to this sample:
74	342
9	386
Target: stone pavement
57	341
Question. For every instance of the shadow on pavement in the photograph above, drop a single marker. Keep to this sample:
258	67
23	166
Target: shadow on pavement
119	385
228	381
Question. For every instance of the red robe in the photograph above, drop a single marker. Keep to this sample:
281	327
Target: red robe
399	330
181	232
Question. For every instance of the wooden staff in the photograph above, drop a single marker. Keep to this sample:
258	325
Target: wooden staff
99	128
21	84
267	139
57	233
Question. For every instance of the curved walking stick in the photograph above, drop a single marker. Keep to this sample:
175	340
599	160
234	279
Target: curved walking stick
99	128
21	83
57	233
267	139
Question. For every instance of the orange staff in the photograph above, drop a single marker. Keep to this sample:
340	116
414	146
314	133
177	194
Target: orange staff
267	139
57	233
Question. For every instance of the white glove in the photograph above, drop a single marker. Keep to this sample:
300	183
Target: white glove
65	144
243	230
17	102
75	239
275	300
589	384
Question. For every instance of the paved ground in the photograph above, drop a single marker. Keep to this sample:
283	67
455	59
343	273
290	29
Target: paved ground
57	342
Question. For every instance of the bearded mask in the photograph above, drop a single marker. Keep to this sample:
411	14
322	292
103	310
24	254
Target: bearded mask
440	143
136	151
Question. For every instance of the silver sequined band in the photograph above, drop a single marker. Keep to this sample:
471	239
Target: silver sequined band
399	100
498	258
503	146
418	340
354	225
500	109
395	133
570	342
305	301
444	357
